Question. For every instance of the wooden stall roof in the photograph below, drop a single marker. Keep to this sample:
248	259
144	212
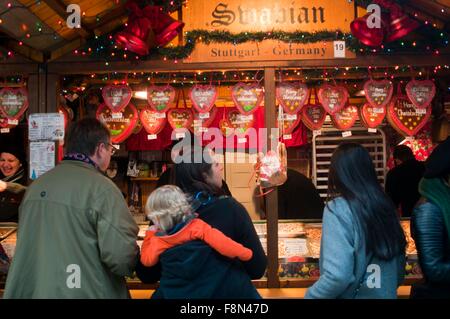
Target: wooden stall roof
42	29
49	38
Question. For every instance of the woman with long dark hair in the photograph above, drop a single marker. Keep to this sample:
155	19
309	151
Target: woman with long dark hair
199	175
362	251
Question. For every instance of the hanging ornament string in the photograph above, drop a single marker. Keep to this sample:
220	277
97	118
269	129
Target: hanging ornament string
411	69
256	76
168	81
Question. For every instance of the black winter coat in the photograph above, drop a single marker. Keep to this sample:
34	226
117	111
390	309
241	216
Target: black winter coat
194	270
431	237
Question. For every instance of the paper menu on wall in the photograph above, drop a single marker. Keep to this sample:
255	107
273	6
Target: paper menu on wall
42	158
46	126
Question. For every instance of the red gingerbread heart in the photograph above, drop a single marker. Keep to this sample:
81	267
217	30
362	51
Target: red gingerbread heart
313	116
117	97
239	122
203	97
372	116
345	118
378	93
161	98
247	97
290	122
180	118
421	93
151	122
333	97
120	124
405	117
200	121
225	127
13	102
292	96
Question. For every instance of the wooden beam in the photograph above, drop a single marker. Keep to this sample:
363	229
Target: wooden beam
67	48
84	66
272	198
118	13
110	25
10	69
60	9
25	50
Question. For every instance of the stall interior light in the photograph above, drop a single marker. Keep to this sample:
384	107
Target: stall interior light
360	93
141	95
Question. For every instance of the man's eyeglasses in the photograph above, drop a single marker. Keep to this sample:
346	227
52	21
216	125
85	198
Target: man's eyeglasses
114	149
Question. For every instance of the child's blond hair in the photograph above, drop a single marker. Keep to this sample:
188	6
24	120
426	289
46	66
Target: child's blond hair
167	206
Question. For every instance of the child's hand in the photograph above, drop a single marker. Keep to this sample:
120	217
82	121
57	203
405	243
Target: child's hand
153	228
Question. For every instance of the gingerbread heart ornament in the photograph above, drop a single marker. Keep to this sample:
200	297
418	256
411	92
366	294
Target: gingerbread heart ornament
13	102
116	97
247	97
292	96
405	117
199	122
372	116
225	127
238	123
421	93
180	118
120	124
290	122
161	98
151	122
378	93
345	118
313	116
203	97
333	97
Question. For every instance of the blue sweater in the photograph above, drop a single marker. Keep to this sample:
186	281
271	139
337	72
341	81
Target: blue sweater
343	261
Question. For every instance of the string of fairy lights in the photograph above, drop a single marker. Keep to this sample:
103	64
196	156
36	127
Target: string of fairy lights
352	77
104	48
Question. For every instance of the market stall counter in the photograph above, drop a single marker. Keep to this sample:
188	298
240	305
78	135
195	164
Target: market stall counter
298	262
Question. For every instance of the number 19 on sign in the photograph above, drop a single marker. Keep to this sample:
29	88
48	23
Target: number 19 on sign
339	49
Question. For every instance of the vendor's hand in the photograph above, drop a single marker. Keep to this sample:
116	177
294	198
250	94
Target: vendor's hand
3	186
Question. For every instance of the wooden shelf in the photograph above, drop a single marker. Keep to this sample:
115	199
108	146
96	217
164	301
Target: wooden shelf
143	179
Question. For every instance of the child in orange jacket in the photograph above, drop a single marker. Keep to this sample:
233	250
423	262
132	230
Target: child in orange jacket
175	223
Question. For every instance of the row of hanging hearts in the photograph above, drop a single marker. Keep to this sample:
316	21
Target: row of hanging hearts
126	122
407	114
404	116
291	96
247	97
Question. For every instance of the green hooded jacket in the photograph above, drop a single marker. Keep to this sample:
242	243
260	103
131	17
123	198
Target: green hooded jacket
76	237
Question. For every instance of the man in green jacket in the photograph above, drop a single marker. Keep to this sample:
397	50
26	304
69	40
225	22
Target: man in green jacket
76	237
